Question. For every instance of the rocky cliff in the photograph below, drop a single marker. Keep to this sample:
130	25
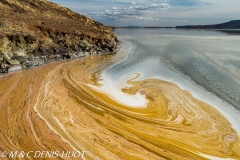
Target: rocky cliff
35	32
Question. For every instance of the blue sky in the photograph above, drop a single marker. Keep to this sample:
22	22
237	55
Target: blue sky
155	12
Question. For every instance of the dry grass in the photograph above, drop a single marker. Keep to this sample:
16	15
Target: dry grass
13	27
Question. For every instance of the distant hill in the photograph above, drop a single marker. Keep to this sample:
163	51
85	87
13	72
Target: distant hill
235	24
131	26
152	27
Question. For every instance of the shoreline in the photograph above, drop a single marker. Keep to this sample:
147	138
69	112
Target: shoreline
19	67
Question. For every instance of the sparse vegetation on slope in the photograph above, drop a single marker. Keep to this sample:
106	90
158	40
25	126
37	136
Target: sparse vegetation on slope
34	32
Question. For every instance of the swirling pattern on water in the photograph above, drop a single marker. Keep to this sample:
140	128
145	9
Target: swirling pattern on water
173	125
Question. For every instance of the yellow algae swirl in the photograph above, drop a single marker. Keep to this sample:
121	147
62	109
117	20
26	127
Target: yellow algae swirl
173	124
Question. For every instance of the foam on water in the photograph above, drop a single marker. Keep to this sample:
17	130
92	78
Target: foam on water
112	87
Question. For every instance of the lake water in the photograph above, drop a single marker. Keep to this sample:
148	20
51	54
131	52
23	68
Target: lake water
166	94
205	63
211	59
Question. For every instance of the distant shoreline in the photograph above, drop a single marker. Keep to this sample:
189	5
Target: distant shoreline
145	27
231	25
227	31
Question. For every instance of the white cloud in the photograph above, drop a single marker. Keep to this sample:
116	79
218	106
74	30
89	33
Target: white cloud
117	12
134	11
146	18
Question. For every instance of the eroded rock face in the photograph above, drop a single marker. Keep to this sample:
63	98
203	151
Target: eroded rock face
37	32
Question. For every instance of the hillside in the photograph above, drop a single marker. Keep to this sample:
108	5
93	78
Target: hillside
235	24
35	32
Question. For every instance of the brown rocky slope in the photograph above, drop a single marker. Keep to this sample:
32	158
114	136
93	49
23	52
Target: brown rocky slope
35	32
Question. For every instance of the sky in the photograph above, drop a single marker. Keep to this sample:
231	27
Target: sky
155	12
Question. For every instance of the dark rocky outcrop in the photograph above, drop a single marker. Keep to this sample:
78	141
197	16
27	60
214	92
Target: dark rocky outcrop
235	24
35	32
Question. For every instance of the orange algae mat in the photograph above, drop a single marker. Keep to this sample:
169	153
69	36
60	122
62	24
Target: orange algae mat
53	108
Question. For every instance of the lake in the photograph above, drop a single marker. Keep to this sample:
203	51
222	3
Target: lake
166	94
205	63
